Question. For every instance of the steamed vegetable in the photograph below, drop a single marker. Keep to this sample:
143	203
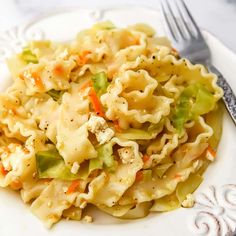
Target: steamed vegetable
104	159
161	169
100	82
28	56
95	164
188	186
147	175
167	203
139	211
51	165
214	119
195	100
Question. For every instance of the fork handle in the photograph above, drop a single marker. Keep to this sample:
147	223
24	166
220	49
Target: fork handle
229	97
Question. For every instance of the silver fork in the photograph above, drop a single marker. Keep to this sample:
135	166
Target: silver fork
191	44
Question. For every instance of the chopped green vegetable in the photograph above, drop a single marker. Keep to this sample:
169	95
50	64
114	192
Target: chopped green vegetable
155	128
188	186
161	169
167	203
214	119
135	134
95	164
105	154
140	210
55	94
28	56
195	100
104	159
51	165
100	82
147	175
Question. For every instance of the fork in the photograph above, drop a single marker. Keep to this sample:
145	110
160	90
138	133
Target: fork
191	44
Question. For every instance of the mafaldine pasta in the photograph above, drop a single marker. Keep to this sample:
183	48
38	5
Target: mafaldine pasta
114	118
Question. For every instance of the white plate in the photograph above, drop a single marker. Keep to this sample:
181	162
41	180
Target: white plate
216	212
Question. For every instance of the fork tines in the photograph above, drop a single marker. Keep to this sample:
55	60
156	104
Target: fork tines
180	22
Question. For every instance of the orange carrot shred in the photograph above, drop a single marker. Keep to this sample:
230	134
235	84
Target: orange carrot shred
117	126
3	171
174	50
139	176
146	158
58	69
37	80
137	42
83	57
177	176
21	77
73	187
95	102
16	185
85	85
211	151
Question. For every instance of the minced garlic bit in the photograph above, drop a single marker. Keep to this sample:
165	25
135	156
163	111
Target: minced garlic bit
49	204
65	189
88	219
126	155
75	168
189	201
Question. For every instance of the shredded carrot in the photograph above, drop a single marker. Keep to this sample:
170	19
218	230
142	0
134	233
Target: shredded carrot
58	69
83	57
117	126
174	50
21	76
137	42
211	151
146	158
177	176
46	180
6	149
139	176
73	187
16	185
37	80
26	150
95	102
85	85
3	171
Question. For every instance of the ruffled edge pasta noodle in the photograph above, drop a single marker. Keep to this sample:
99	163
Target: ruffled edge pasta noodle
114	119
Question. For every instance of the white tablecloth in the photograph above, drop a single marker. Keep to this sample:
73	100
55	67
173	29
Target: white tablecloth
216	16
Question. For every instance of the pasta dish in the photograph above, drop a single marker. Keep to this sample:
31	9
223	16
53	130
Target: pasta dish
114	119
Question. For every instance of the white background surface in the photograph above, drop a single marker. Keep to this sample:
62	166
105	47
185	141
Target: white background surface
216	16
